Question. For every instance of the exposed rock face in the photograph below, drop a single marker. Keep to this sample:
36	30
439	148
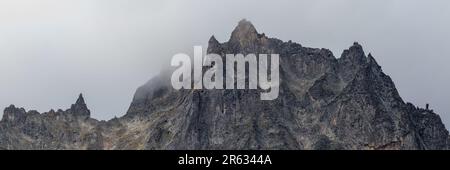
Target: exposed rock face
324	103
80	108
70	129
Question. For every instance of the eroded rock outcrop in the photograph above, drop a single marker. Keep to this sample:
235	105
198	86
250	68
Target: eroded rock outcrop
70	129
324	103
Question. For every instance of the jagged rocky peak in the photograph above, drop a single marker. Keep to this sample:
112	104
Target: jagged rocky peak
246	37
244	30
12	113
213	40
355	54
12	109
351	61
213	45
80	107
80	100
324	103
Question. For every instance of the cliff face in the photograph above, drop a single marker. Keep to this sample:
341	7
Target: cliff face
324	103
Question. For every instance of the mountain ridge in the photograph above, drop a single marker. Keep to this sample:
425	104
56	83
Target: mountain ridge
325	103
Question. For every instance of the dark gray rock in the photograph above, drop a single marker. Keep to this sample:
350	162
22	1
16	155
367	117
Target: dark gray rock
324	103
71	129
80	108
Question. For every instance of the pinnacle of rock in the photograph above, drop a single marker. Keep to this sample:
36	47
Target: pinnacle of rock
80	100
244	31
80	107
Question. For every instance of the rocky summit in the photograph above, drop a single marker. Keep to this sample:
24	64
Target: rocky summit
324	103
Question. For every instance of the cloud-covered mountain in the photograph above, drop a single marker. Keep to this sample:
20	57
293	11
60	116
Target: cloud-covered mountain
324	103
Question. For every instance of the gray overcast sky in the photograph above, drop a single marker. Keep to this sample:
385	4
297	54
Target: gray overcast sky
51	50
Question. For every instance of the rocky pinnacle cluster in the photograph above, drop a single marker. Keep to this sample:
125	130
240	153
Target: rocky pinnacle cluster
324	103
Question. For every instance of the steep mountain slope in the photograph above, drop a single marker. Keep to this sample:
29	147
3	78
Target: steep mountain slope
324	103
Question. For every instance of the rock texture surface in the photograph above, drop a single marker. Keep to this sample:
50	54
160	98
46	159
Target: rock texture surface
324	103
